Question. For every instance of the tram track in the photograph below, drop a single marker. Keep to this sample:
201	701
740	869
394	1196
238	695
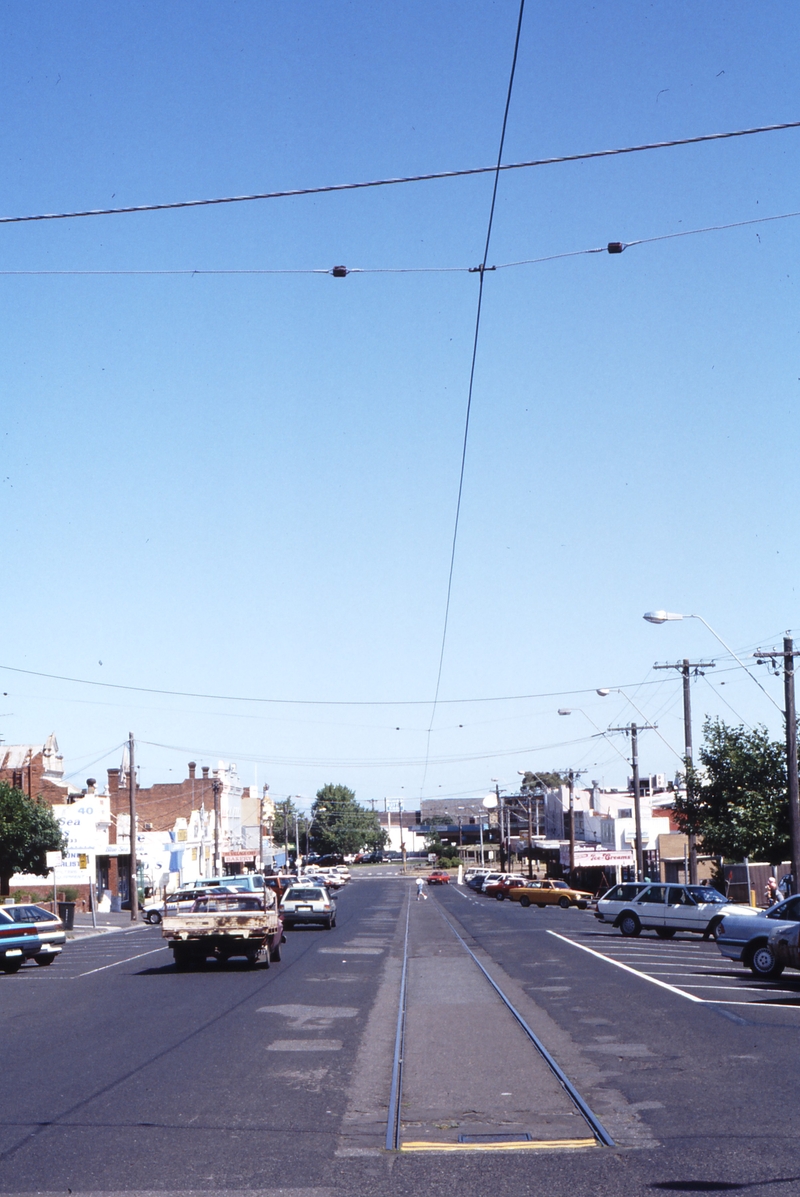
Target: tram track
599	1136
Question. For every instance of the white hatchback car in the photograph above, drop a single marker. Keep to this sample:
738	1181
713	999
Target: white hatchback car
636	906
305	902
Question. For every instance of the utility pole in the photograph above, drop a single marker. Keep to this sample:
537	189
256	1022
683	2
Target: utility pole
633	731
530	836
684	667
217	863
503	852
790	717
571	775
134	882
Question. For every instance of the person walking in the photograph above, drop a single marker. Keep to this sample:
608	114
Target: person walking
771	893
421	890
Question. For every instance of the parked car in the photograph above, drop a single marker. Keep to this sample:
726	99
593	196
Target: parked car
304	903
665	909
438	877
550	893
745	935
48	927
500	889
182	899
784	943
476	880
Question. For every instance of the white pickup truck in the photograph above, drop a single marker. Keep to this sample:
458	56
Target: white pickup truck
224	926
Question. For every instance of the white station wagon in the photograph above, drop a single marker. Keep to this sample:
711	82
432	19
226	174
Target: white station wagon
635	907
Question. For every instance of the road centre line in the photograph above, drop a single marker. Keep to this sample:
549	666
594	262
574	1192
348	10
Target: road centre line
116	962
634	971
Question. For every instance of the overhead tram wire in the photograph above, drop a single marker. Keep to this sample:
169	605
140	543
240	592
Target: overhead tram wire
465	440
613	247
319	702
401	179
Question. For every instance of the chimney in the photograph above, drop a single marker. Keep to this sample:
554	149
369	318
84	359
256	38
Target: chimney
205	771
192	769
90	785
113	781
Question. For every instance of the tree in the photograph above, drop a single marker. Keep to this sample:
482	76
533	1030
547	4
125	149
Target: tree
738	804
550	781
283	825
340	825
28	829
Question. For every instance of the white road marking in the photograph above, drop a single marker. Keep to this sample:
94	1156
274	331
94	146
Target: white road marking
305	1045
310	1018
634	971
125	961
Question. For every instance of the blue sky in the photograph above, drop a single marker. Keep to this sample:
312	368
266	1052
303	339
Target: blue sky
245	485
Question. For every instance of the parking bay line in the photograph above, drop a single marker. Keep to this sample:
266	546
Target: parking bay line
116	962
635	971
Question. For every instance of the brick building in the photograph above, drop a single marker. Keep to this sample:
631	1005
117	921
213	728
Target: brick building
37	770
158	806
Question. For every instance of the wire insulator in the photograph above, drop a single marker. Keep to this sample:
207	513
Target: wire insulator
615	247
339	272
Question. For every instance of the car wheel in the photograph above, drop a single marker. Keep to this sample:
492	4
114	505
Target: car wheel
582	905
500	897
11	966
275	954
711	929
665	932
541	905
763	964
629	925
564	903
328	924
154	917
524	901
44	960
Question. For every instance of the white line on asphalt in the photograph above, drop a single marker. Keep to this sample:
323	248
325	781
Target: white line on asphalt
116	962
636	973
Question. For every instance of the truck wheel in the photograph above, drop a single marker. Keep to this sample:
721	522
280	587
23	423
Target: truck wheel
564	903
275	954
11	966
524	900
763	964
182	961
629	924
44	960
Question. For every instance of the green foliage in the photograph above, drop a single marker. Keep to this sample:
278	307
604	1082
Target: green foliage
446	850
283	827
340	825
738	803
28	829
551	781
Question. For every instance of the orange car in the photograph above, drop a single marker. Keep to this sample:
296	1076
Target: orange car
549	893
438	877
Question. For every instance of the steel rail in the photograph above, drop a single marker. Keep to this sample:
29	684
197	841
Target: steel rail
393	1120
594	1123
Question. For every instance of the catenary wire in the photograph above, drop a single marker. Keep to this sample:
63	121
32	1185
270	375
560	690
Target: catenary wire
476	335
421	178
190	272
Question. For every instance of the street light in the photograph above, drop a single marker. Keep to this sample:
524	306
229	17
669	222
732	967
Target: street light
669	616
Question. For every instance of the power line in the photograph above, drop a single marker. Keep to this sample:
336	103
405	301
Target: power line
465	440
422	178
613	247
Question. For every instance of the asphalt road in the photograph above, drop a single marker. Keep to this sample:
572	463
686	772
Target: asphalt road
122	1076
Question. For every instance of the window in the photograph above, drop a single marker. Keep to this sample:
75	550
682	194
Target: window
654	894
678	896
626	812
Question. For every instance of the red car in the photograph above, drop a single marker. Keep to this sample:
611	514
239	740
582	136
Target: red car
499	889
438	877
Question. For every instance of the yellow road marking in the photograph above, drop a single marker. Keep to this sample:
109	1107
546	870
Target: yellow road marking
519	1145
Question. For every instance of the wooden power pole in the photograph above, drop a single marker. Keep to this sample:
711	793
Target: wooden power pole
134	879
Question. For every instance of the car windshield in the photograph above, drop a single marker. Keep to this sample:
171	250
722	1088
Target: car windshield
706	893
304	895
788	910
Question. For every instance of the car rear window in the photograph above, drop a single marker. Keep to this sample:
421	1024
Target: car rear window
30	914
304	895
